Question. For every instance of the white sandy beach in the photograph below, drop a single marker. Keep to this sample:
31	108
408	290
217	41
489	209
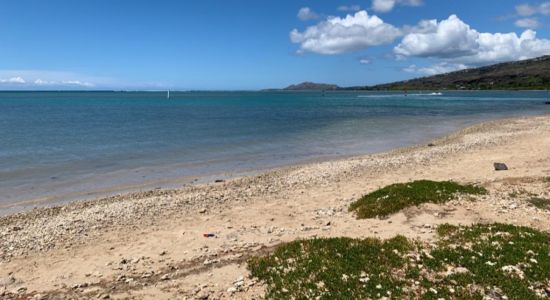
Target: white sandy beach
150	245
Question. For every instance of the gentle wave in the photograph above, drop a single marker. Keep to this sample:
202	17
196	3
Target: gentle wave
400	95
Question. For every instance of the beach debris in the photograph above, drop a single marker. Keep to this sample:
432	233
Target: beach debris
500	166
219	180
202	211
209	235
431	145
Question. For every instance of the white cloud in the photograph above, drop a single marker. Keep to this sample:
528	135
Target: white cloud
448	38
43	79
527	23
339	35
349	7
17	79
40	82
78	82
305	13
454	41
526	10
388	5
435	69
364	61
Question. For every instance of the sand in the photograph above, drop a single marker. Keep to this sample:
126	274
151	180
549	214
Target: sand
150	245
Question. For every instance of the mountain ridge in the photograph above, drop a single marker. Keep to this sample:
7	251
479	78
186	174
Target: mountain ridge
528	74
311	86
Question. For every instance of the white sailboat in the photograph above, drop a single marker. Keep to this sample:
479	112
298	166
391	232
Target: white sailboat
168	94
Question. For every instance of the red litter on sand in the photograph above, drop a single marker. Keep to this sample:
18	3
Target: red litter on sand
207	235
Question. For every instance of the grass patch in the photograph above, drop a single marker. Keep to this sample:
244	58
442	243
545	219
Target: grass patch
541	203
336	268
466	263
395	197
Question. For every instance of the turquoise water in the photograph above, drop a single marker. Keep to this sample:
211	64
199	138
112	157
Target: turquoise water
58	146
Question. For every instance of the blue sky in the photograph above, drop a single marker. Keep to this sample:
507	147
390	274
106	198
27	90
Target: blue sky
244	44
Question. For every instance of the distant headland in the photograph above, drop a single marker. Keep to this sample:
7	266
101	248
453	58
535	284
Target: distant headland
529	74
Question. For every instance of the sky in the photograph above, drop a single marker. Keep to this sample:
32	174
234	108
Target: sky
248	45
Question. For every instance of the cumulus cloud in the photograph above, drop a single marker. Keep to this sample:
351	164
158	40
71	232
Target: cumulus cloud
388	5
527	23
17	79
439	68
338	35
526	10
445	39
456	42
349	7
305	13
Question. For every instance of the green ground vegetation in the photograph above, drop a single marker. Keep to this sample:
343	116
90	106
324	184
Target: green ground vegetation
474	262
541	203
395	197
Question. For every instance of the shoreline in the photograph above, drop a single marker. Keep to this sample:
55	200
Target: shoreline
180	182
141	189
83	248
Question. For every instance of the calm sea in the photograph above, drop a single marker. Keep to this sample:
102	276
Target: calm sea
61	146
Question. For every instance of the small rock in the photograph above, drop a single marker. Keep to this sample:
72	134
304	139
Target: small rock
203	295
500	166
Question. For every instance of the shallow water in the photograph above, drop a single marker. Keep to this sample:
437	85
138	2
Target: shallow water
66	145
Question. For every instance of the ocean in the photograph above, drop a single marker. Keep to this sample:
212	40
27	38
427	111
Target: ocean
64	146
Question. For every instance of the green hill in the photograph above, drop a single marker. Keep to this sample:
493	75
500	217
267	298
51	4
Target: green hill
530	74
311	86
